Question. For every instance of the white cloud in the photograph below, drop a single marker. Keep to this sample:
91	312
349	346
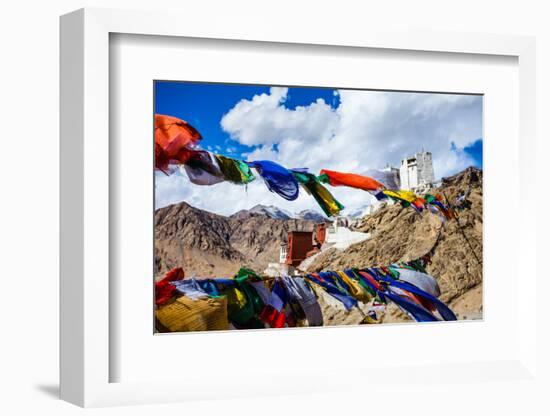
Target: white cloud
224	198
367	130
264	120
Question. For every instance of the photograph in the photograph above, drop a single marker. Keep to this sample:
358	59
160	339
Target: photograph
303	206
280	207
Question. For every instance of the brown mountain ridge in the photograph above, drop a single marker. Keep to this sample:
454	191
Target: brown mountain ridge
208	245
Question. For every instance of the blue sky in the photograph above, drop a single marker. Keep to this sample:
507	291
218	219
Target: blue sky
203	106
475	150
346	130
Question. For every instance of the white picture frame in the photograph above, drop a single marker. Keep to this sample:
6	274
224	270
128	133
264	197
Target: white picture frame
86	292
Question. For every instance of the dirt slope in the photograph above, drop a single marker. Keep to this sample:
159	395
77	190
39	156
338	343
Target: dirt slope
400	234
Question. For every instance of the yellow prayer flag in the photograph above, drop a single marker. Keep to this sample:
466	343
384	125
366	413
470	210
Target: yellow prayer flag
185	314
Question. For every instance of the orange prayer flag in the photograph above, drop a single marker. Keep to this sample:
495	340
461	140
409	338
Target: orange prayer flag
352	180
173	137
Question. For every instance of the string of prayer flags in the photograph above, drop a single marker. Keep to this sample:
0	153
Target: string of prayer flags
273	317
253	301
324	198
392	282
262	290
164	288
272	313
351	180
403	196
355	288
407	198
190	288
435	201
173	137
369	280
443	309
410	304
300	292
419	203
244	305
186	314
415	311
388	178
422	280
234	170
245	274
277	178
418	264
176	144
353	274
202	168
324	280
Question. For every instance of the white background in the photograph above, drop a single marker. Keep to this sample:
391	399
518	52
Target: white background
29	224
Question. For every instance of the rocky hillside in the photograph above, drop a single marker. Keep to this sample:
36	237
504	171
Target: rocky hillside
206	244
400	234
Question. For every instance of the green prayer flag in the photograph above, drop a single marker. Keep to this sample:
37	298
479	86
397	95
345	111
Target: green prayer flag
324	198
429	198
323	178
245	313
244	274
235	171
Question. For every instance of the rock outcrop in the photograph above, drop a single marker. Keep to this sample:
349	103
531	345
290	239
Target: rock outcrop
402	234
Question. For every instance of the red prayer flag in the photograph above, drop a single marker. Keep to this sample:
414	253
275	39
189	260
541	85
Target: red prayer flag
370	279
272	317
164	289
419	203
173	137
352	180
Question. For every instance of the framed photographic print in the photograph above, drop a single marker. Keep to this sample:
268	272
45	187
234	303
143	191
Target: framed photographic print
243	242
296	209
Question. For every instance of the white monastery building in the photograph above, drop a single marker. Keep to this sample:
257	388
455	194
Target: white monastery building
417	172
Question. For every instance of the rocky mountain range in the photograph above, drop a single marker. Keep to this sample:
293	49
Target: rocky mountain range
311	215
270	211
207	244
277	213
